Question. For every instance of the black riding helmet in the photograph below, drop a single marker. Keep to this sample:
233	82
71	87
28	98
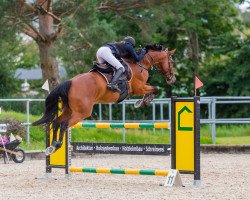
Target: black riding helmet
130	40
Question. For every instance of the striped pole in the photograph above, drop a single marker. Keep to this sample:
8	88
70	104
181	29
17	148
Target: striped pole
119	171
122	125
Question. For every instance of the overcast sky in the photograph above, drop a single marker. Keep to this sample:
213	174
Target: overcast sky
245	6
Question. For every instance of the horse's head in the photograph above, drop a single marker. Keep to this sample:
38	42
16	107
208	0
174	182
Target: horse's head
162	59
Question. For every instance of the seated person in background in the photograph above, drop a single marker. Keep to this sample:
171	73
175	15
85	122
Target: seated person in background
4	139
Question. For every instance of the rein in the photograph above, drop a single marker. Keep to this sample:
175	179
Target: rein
170	62
152	63
142	67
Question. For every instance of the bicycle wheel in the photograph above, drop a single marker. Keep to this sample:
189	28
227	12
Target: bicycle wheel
19	157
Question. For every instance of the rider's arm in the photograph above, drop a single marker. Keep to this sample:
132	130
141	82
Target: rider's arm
131	50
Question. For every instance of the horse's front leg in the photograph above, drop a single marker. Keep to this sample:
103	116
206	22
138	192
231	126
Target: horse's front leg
149	93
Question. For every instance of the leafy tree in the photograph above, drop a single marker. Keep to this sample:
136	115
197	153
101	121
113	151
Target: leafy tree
45	21
8	85
83	34
207	34
9	52
14	53
200	30
230	75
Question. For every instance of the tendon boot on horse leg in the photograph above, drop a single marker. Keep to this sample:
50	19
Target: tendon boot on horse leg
147	98
113	85
145	101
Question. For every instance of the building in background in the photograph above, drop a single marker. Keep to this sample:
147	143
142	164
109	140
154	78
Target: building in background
34	74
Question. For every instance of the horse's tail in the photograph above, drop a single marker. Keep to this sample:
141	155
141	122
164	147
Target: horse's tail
51	103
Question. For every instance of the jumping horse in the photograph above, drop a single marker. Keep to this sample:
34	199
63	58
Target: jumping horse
80	93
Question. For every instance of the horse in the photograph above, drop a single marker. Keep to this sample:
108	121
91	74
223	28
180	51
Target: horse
79	94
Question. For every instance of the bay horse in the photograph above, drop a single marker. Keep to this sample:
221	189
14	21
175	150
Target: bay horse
80	93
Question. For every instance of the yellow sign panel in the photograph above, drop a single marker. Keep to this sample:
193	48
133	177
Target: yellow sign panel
184	125
59	157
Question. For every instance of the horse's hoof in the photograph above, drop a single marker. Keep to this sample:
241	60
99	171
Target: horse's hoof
50	150
139	103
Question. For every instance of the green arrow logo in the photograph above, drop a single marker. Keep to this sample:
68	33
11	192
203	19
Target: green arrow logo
185	108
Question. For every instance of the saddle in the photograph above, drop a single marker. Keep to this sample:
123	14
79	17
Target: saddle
108	71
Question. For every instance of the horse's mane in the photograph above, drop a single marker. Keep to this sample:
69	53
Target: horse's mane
154	47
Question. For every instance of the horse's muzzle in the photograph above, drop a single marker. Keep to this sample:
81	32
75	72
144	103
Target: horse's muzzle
170	79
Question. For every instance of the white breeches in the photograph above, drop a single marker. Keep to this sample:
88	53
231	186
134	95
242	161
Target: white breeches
105	54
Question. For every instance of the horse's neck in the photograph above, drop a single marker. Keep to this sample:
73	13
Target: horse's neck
142	64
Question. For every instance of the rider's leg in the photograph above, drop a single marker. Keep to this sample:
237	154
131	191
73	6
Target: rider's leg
111	59
113	84
100	54
105	54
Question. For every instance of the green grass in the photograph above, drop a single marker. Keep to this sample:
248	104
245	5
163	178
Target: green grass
34	145
19	116
225	134
233	140
233	130
143	136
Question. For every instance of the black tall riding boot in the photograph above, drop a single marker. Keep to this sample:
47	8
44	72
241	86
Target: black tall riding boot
113	85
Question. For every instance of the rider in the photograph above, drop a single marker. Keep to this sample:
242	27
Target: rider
112	53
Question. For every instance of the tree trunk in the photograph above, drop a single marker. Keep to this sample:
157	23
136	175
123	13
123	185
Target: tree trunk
49	64
193	39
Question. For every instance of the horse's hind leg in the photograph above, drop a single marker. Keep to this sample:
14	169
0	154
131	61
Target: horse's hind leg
67	121
63	129
56	123
65	124
55	127
75	118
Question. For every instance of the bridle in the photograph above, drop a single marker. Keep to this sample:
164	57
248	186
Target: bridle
152	63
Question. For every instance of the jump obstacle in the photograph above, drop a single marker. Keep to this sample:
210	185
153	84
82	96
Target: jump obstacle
122	125
185	143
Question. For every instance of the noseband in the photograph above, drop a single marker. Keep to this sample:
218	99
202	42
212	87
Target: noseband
170	76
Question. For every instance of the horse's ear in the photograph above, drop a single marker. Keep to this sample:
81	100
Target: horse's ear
172	52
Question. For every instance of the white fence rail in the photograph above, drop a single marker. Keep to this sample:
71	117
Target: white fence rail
210	102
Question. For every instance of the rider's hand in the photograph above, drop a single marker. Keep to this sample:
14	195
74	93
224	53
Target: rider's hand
139	50
144	51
